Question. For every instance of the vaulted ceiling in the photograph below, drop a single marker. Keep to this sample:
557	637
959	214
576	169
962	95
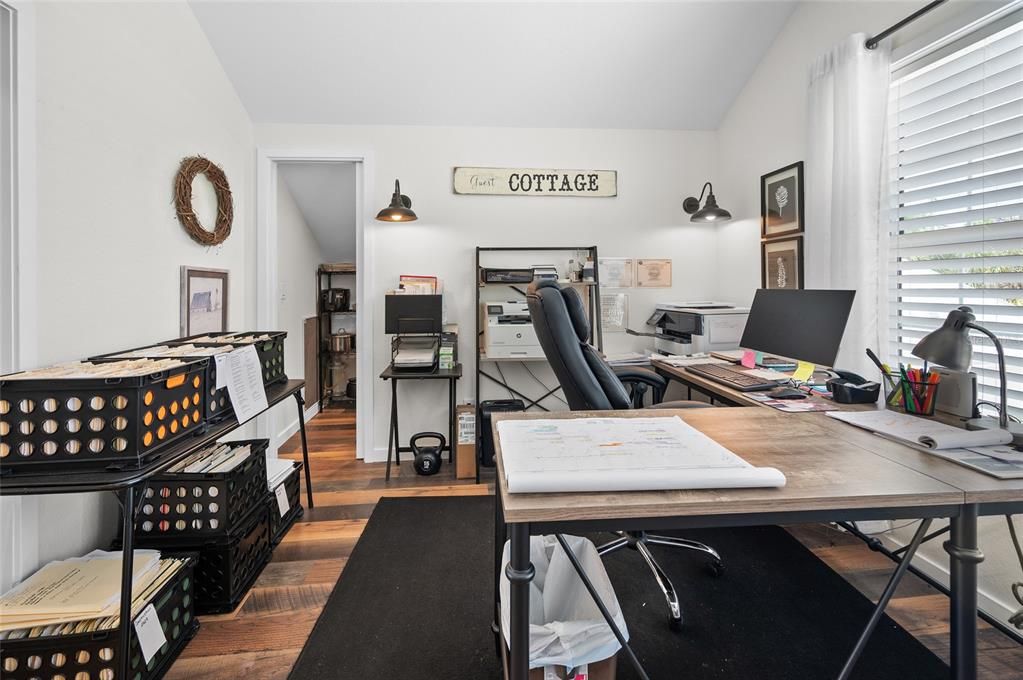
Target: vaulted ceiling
662	65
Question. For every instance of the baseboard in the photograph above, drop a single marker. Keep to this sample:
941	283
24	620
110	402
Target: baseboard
292	427
939	572
377	455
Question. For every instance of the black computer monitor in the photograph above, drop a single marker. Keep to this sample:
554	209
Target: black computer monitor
413	314
798	324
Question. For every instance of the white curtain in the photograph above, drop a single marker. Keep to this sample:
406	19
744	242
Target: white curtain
844	171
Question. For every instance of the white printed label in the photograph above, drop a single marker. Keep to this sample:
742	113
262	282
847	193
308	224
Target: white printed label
149	632
282	499
244	379
467	428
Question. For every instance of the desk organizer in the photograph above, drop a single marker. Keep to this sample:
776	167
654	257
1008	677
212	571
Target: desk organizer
95	655
187	508
218	402
115	414
269	348
279	525
912	396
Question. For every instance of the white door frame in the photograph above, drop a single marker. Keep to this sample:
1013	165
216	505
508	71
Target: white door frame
19	515
267	160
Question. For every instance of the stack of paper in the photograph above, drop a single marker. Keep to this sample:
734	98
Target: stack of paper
277	470
628	359
214	458
175	351
620	454
81	594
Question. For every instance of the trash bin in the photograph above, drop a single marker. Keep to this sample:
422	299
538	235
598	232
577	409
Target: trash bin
566	630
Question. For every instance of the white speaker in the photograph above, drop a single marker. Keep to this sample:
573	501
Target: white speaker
957	392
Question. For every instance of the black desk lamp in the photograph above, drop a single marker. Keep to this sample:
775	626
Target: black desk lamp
950	346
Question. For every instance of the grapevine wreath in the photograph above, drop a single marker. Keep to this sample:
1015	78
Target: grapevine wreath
190	167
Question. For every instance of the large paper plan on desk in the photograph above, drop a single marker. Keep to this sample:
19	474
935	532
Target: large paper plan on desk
620	454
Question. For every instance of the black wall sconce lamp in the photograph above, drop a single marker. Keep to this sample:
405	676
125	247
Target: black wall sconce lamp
400	209
710	211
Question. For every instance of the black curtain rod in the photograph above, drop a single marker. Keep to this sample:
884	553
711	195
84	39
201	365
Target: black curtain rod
872	42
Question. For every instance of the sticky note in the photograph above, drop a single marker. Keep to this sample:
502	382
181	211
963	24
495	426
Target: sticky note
803	371
749	359
282	500
759	359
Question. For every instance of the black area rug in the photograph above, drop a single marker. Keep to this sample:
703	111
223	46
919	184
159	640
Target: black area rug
415	602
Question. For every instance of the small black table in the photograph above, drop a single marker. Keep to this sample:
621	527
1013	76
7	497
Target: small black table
393	441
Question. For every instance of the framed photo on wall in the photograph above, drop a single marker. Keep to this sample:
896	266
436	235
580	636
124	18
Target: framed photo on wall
781	263
203	301
781	202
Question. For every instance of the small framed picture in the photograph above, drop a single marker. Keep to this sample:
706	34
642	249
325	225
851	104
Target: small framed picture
781	202
203	301
782	263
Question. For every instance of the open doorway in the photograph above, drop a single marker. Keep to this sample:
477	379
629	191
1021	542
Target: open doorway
316	211
311	257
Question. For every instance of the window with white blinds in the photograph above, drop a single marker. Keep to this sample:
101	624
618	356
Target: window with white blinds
956	202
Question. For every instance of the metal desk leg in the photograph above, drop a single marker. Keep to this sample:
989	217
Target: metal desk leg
305	447
392	428
519	572
127	570
886	597
964	558
451	423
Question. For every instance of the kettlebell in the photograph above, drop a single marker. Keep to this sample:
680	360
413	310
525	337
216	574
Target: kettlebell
427	461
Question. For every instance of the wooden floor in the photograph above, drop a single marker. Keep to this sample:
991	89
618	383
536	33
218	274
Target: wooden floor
264	635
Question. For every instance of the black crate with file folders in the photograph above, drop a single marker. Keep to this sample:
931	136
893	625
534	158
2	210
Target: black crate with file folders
280	522
218	401
95	655
100	415
269	348
208	494
228	567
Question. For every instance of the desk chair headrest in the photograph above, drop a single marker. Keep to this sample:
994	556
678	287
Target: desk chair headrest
573	303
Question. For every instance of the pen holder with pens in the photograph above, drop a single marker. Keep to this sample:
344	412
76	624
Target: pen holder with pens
912	396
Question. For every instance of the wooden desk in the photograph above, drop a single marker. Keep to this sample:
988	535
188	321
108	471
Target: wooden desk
834	472
727	395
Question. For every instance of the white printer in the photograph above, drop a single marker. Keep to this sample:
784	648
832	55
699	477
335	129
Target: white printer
509	333
696	327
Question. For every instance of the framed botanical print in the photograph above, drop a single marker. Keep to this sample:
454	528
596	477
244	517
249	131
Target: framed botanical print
782	263
203	301
781	202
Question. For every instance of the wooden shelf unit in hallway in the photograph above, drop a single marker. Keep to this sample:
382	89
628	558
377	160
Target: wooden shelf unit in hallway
261	639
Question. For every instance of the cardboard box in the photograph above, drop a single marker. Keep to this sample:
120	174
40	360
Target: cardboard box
465	467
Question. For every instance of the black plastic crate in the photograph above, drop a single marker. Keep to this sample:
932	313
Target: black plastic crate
180	508
99	422
279	525
270	351
218	402
96	655
228	568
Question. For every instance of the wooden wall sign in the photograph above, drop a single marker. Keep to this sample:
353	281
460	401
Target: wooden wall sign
535	182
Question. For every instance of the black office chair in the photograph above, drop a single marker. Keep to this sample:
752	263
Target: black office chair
560	320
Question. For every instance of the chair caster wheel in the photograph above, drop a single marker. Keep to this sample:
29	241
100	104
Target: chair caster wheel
674	624
716	568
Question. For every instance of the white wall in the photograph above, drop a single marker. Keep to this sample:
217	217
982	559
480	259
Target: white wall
124	92
298	256
766	129
656	170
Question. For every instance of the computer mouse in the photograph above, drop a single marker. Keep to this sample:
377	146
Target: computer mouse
786	393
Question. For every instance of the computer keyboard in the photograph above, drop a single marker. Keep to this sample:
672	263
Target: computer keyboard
732	377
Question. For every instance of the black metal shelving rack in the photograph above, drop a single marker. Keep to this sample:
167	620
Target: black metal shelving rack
324	326
596	334
125	483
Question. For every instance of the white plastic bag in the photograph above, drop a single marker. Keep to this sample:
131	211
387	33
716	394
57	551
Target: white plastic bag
565	625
